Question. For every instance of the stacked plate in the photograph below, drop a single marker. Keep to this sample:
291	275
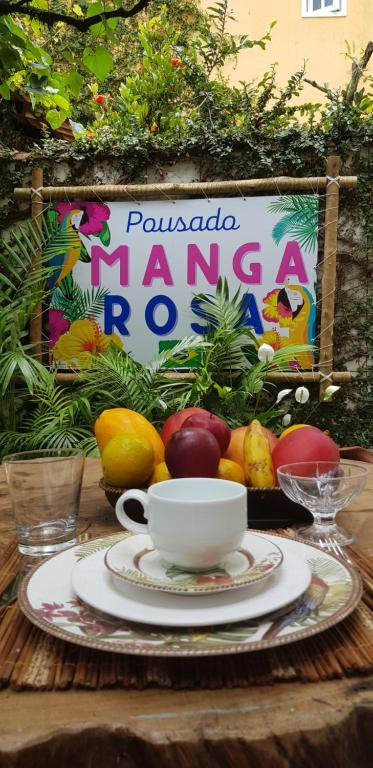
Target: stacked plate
116	594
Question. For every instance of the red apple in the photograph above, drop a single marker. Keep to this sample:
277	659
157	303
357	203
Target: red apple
192	453
214	424
306	444
175	421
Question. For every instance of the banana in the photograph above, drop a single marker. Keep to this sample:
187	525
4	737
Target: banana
258	467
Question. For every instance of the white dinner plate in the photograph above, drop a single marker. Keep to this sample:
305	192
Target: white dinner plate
93	583
46	597
135	560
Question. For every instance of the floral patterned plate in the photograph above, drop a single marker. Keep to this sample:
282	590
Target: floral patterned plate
134	560
46	597
97	587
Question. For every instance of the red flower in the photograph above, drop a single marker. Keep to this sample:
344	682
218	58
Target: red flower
99	99
175	62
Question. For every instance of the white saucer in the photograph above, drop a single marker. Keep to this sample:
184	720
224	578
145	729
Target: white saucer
94	584
134	560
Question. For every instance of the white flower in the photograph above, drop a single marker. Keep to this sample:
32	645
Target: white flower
302	395
286	420
282	394
266	353
329	392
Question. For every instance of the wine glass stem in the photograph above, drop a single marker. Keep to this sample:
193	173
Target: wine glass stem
324	518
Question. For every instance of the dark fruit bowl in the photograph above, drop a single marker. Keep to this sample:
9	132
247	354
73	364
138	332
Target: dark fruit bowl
271	508
266	507
132	507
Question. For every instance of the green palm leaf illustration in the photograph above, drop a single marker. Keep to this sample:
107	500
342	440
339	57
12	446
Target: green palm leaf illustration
77	304
86	550
300	219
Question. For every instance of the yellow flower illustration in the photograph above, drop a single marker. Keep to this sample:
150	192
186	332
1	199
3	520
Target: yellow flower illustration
83	339
275	312
271	337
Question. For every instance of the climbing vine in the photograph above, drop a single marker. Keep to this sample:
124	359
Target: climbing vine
125	128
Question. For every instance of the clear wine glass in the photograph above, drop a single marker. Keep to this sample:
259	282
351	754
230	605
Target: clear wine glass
324	488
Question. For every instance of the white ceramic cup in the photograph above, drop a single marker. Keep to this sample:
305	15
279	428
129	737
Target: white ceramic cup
193	522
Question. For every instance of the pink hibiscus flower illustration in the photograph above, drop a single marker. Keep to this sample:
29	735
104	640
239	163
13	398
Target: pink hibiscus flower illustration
58	325
94	215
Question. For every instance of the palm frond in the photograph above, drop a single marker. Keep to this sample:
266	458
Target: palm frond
77	304
221	311
228	335
61	242
289	203
115	379
159	361
12	441
283	356
17	362
22	286
55	418
300	219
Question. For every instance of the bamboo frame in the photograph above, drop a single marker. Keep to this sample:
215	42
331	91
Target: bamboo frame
207	188
276	377
331	182
329	274
36	209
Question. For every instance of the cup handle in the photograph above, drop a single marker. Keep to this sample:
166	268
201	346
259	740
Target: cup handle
122	516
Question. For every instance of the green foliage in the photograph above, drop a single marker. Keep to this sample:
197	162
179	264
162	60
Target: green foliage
26	66
229	380
116	380
300	220
75	303
214	45
49	67
252	130
22	287
55	418
36	52
167	90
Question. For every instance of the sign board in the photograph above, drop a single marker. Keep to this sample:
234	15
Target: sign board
128	272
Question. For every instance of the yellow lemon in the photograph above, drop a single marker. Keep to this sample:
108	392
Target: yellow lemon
127	460
291	429
160	473
230	470
119	421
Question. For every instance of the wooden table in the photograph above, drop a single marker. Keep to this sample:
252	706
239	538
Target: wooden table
288	724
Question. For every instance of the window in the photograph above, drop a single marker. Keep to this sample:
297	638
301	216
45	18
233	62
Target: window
324	8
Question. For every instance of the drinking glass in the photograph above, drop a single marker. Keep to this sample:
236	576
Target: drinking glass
44	488
324	488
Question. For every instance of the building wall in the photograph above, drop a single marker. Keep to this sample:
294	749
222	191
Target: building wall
319	40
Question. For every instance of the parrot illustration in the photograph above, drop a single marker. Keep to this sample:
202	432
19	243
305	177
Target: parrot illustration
65	247
309	604
292	308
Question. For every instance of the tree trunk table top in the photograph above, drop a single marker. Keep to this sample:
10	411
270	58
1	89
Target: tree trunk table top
286	724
